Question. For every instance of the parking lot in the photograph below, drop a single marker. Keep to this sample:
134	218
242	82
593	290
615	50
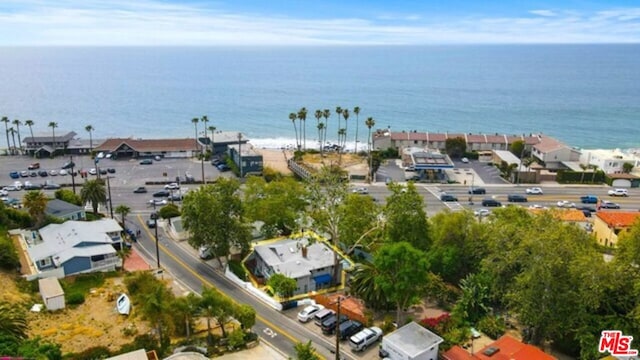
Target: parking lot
370	353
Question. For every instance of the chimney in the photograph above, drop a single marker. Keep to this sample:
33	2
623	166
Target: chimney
304	252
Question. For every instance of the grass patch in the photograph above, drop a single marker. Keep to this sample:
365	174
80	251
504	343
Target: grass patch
81	284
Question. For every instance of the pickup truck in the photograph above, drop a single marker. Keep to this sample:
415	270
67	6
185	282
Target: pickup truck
589	199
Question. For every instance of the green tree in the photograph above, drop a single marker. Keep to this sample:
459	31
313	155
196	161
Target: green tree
305	351
279	204
369	123
318	115
53	125
455	147
217	306
90	129
293	117
246	315
360	224
17	123
627	167
30	123
184	309
123	211
213	215
13	322
169	211
475	300
356	110
68	196
36	204
406	219
517	148
156	308
326	113
284	286
5	120
9	259
302	116
403	274
365	287
93	191
36	348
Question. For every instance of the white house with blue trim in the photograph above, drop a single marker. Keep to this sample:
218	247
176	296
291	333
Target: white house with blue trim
74	247
311	265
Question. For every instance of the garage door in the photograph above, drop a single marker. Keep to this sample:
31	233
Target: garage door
621	183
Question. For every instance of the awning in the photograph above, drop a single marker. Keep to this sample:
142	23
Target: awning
322	279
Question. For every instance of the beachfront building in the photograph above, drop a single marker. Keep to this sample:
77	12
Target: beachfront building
554	154
44	145
140	148
608	225
221	140
384	139
246	159
609	161
72	247
311	264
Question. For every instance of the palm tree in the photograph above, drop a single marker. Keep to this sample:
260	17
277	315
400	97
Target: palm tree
13	322
17	123
90	129
584	168
195	121
318	115
302	115
5	120
370	123
345	115
320	131
29	123
293	117
204	120
12	131
36	203
342	133
53	125
213	130
123	210
593	177
156	308
339	112
326	113
93	191
356	110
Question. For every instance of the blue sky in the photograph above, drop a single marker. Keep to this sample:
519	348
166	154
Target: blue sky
320	22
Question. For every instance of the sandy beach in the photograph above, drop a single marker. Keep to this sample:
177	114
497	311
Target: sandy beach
276	159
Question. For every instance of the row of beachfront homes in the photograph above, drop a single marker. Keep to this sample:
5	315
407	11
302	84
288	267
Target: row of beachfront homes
234	144
424	151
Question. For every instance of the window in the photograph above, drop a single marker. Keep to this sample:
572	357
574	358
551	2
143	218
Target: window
44	262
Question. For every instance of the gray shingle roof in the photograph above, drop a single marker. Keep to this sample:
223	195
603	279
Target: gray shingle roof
285	257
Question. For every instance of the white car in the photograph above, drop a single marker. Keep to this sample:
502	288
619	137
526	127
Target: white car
482	212
53	172
93	171
157	202
63	172
360	190
10	188
307	313
566	204
172	186
4	192
534	191
465	160
537	206
618	192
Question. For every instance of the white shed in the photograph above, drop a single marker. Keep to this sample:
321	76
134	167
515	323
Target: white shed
52	293
411	342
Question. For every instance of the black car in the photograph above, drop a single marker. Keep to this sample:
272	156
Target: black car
33	174
516	198
51	186
43	173
162	193
329	325
103	171
68	165
477	190
151	223
140	190
111	170
491	203
448	197
146	162
215	162
349	328
223	167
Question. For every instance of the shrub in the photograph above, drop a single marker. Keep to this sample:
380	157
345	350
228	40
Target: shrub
96	352
236	339
8	256
75	298
492	326
236	267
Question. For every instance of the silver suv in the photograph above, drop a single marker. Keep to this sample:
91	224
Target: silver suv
364	338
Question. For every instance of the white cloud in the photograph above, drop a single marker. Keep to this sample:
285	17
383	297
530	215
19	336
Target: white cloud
96	22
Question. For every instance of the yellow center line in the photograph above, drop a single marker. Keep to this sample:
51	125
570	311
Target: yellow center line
208	283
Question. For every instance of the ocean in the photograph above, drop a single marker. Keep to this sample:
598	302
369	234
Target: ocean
585	95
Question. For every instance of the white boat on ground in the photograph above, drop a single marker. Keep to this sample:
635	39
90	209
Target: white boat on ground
123	304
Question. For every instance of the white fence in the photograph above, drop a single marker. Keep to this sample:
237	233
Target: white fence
252	290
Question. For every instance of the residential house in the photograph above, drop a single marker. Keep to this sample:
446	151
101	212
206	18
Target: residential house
221	140
552	153
608	225
311	264
135	148
571	216
412	341
609	161
45	146
73	247
252	163
505	348
64	210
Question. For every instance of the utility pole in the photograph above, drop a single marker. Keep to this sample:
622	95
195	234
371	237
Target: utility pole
154	216
73	175
109	190
240	153
338	330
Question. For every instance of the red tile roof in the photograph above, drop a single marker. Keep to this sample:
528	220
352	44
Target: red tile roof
563	214
548	144
458	353
618	219
512	349
150	145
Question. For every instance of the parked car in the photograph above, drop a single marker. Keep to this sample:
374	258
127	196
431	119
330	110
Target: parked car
349	328
477	190
604	204
307	313
34	166
534	191
482	212
63	172
24	173
43	173
360	190
33	174
53	172
51	186
565	204
216	162
146	162
491	203
11	188
589	199
189	178
158	157
447	197
111	170
465	160
618	192
223	167
103	171
364	338
516	198
151	223
172	186
140	190
68	165
156	202
14	175
93	171
329	325
587	208
30	186
162	193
